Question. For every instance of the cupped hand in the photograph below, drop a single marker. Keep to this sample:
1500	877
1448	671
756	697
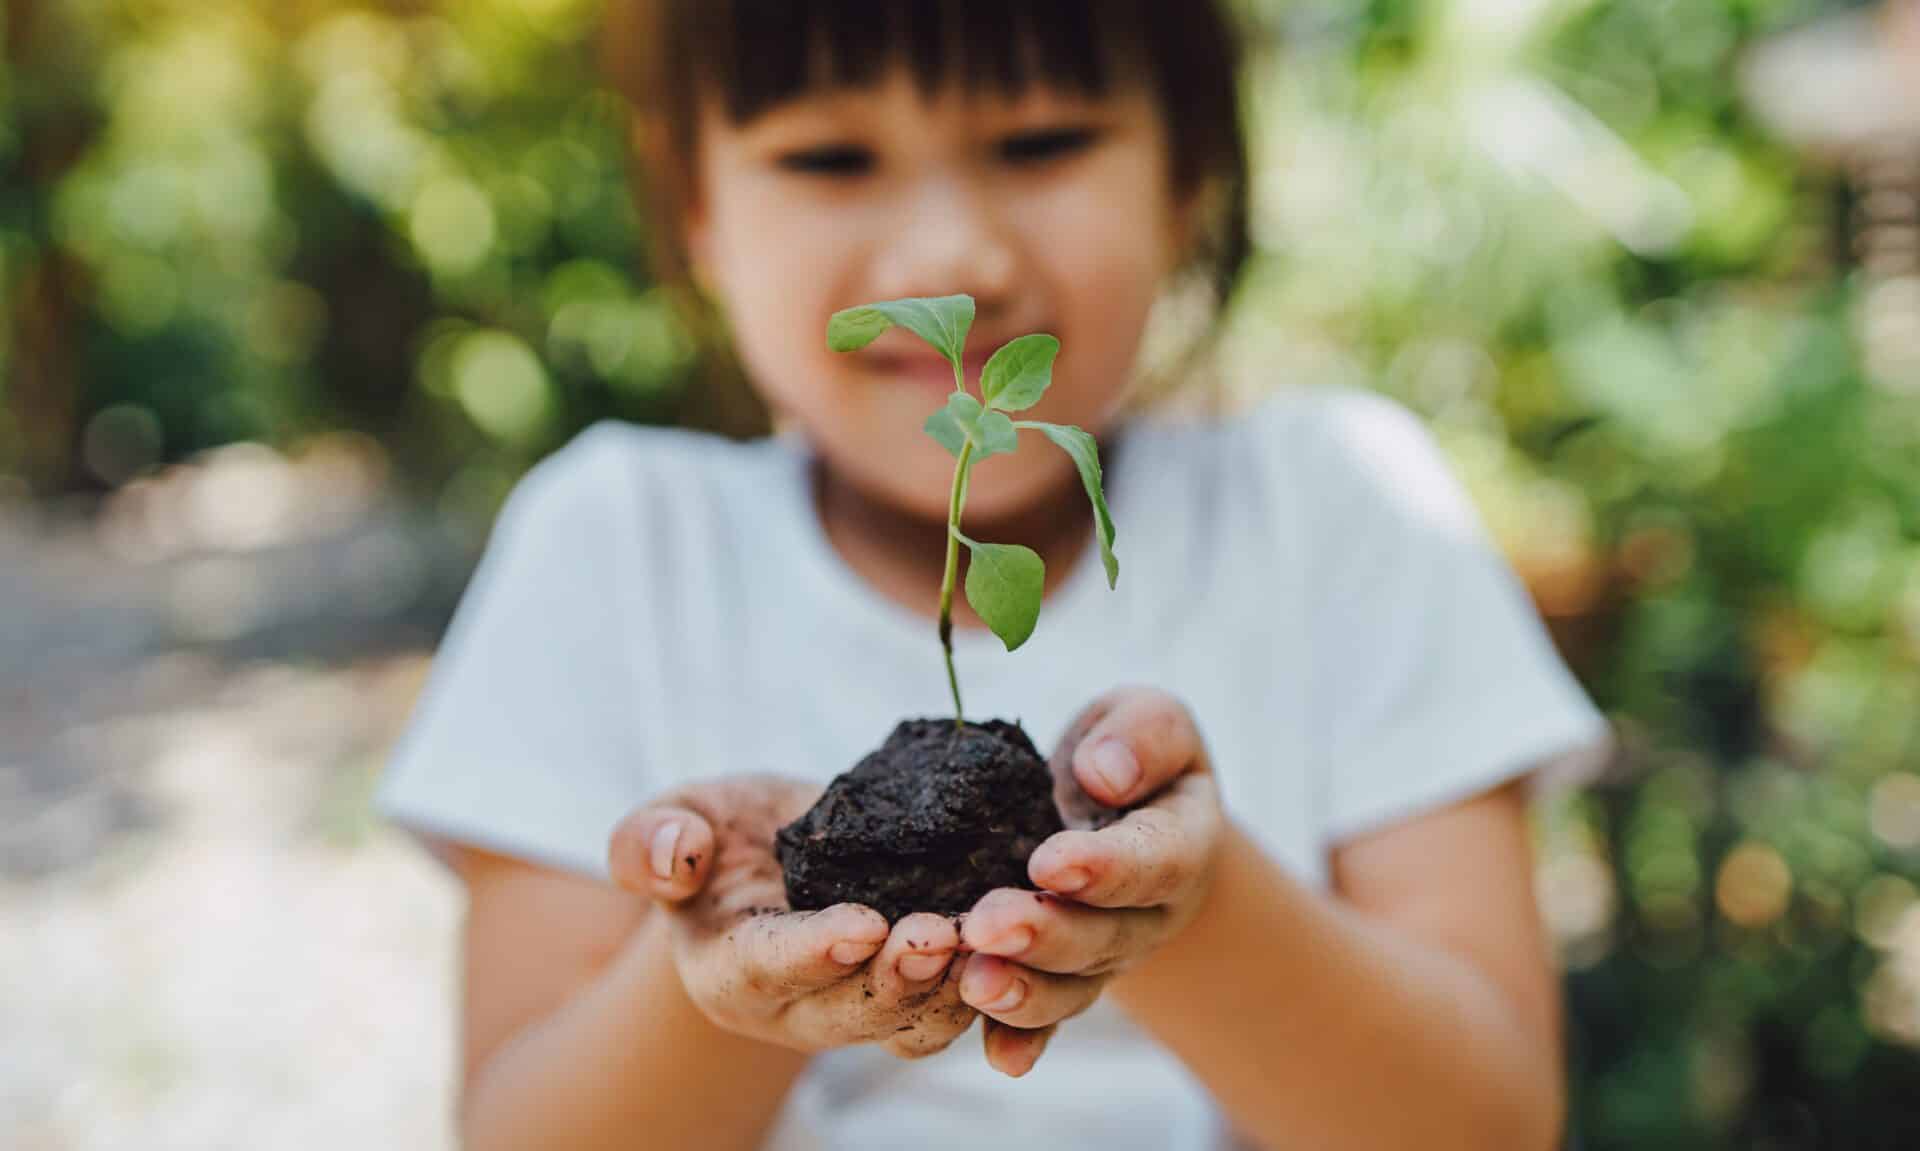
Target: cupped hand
808	980
1113	886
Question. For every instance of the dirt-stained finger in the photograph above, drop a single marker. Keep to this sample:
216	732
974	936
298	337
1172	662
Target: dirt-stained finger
1013	1051
664	852
1152	857
931	1025
914	959
1049	933
1022	997
1142	740
788	954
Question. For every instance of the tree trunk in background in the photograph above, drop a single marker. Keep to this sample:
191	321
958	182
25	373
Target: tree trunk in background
42	382
1887	239
43	378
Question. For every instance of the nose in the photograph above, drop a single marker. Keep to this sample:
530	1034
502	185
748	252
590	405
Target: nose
947	239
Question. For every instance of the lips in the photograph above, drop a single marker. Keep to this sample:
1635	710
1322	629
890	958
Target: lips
926	369
931	372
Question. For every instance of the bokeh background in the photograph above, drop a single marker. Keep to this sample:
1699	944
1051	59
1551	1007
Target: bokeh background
290	293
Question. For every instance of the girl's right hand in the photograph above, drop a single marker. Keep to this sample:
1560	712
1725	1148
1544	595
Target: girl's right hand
809	980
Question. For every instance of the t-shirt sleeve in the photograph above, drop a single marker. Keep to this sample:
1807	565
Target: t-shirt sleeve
522	740
1437	679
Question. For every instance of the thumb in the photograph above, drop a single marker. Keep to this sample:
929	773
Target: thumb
662	852
1135	742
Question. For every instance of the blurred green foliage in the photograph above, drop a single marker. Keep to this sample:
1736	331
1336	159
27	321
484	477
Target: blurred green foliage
1561	235
1553	228
1558	231
259	220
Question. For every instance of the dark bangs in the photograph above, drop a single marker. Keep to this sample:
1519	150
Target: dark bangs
752	55
757	53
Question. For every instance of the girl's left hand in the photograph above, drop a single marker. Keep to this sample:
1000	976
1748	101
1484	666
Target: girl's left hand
1112	891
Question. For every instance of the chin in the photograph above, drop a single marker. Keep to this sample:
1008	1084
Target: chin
920	484
1005	496
908	489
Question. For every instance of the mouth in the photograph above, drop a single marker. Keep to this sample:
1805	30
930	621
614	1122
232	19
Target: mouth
927	372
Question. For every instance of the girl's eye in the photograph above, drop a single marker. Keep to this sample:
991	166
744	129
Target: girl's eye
832	160
1039	147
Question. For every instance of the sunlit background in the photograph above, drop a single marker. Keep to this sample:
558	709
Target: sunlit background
291	293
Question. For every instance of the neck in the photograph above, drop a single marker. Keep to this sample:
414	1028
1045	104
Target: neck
902	555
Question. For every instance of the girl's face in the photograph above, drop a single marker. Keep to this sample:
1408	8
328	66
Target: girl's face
1053	210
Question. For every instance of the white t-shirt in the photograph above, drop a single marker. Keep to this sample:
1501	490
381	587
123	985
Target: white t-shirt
658	607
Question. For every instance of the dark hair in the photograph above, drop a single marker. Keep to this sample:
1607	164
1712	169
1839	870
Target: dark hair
666	56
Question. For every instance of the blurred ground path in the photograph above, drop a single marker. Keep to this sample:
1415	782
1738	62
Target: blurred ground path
205	939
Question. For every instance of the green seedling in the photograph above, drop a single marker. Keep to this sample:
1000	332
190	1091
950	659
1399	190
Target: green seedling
1004	581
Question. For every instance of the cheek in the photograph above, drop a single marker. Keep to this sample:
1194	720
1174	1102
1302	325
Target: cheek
781	264
1103	270
1110	236
775	267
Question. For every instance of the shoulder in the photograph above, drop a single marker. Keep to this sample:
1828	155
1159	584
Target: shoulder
1358	453
609	454
1347	428
614	469
1302	463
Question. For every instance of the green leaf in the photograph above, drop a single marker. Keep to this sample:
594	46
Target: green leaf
851	329
1018	374
942	321
965	408
963	419
1086	456
943	427
1003	584
994	436
956	423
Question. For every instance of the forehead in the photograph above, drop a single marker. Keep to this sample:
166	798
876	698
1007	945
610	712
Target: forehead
750	56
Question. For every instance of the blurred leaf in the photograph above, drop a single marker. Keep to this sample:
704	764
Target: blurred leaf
1004	583
1018	372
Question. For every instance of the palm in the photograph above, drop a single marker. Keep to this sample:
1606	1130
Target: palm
746	878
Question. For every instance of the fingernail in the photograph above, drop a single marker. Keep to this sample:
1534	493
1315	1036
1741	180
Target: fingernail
848	952
1023	1062
666	839
1009	999
919	968
1116	767
1013	942
1069	881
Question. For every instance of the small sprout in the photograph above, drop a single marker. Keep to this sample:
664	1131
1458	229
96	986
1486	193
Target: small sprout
1004	581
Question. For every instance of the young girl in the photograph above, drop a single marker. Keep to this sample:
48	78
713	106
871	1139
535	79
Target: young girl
1316	682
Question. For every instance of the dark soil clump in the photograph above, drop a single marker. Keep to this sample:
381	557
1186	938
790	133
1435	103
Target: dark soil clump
932	821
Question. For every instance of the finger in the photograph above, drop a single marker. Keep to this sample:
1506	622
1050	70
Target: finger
914	958
932	1028
1152	857
1078	808
1143	740
1059	935
931	1025
790	954
665	852
1013	1051
1023	997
